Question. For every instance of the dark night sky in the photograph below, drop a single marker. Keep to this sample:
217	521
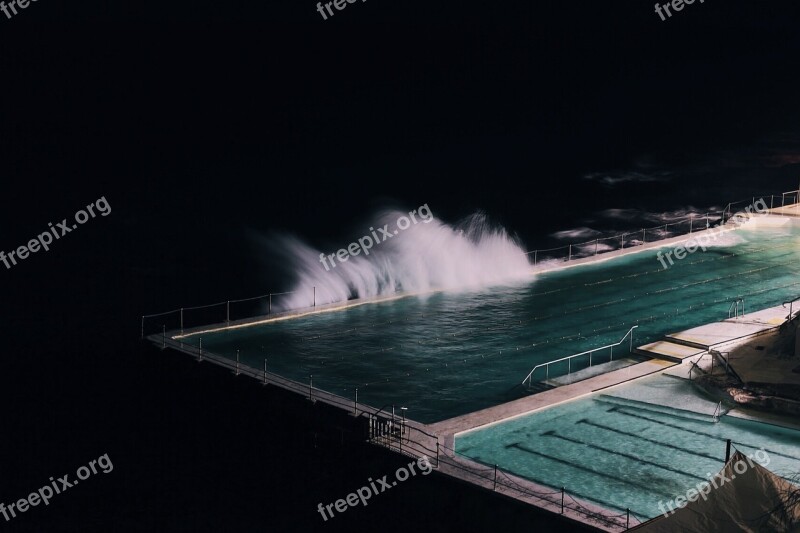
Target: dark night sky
205	123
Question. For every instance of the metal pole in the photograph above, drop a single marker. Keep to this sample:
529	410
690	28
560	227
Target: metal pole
622	242
596	242
691	223
270	304
727	451
771	200
628	522
237	362
569	366
310	385
315	295
201	349
562	499
535	256
569	258
265	371
228	313
612	353
355	403
181	320
437	454
495	477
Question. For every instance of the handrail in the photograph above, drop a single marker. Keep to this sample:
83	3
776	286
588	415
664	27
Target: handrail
547	364
735	308
789	317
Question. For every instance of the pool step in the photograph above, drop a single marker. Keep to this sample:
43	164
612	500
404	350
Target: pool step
539	386
669	350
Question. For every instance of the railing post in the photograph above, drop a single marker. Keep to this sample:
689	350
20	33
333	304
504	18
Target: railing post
562	499
181	320
265	371
569	258
691	223
612	354
495	477
355	404
628	520
596	242
644	235
437	453
164	335
622	242
200	357
535	256
569	366
771	200
269	312
237	362
590	358
315	295
228	312
310	386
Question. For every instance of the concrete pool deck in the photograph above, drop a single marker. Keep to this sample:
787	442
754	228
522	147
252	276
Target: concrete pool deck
675	349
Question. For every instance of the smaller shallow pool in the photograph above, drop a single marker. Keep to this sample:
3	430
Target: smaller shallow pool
633	447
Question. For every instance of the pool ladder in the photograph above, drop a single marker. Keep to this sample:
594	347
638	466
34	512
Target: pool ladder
736	309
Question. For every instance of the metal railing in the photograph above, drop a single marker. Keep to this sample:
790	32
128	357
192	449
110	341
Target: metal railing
569	252
546	366
736	308
234	311
791	315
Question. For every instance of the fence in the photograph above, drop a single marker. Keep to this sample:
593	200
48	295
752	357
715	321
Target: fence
408	437
676	228
528	379
228	313
232	312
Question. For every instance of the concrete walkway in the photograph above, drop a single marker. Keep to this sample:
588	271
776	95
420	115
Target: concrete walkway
732	330
523	406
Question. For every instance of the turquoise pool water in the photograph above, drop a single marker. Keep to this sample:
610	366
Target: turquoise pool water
625	449
444	355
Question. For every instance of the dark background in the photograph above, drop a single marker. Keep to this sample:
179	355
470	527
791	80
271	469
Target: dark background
209	124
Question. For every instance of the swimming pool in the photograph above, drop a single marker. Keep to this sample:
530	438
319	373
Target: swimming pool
634	447
447	354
